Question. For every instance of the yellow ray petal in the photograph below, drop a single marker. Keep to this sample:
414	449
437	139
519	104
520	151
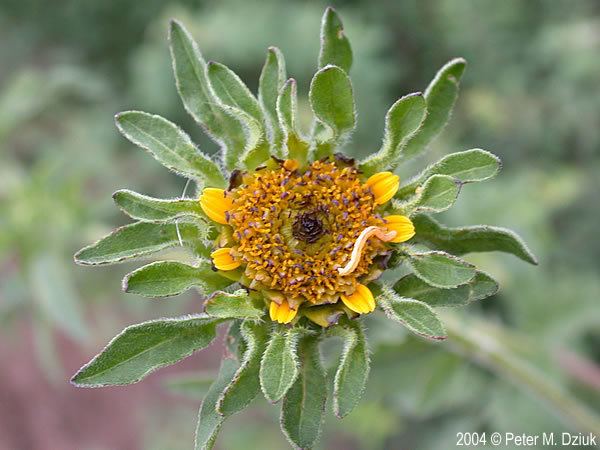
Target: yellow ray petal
361	301
402	225
282	313
384	186
214	202
223	260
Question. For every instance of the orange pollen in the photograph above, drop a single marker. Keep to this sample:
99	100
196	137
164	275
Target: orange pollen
295	230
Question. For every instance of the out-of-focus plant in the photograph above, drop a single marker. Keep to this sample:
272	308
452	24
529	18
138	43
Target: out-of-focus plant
297	233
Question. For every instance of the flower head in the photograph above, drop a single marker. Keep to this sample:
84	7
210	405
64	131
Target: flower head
309	234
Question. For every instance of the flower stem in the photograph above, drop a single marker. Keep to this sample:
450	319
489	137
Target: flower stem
482	342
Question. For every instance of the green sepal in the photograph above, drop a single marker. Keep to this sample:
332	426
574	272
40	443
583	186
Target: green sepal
279	364
353	368
143	348
303	406
209	420
168	278
471	239
272	79
401	122
335	46
149	209
170	146
136	240
415	315
440	97
469	166
441	269
236	305
480	287
245	384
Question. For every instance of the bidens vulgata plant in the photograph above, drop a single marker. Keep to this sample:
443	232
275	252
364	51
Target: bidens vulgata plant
289	235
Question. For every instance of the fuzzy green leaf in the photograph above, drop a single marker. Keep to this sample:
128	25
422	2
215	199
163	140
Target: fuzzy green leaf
219	122
467	167
209	420
479	238
440	97
169	145
437	194
272	79
417	316
332	101
141	349
168	278
237	305
148	209
303	406
232	91
287	111
480	287
401	121
245	384
335	46
279	365
441	269
136	240
353	370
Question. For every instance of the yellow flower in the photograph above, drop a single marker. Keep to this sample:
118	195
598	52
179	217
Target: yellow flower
223	260
306	235
402	225
361	301
384	186
282	313
215	203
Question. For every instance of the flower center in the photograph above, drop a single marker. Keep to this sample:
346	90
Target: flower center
293	230
307	227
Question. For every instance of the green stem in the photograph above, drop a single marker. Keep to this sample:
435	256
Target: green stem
478	340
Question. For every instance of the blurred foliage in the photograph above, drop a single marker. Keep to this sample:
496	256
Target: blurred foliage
529	95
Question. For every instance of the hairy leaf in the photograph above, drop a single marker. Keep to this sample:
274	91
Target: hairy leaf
467	167
303	406
237	305
168	278
353	369
479	238
287	111
169	145
134	241
209	420
279	365
245	384
148	209
437	194
440	96
332	101
417	316
441	269
335	46
141	349
480	287
401	121
219	122
232	91
272	79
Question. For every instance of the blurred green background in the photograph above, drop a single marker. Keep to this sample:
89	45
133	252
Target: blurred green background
530	95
